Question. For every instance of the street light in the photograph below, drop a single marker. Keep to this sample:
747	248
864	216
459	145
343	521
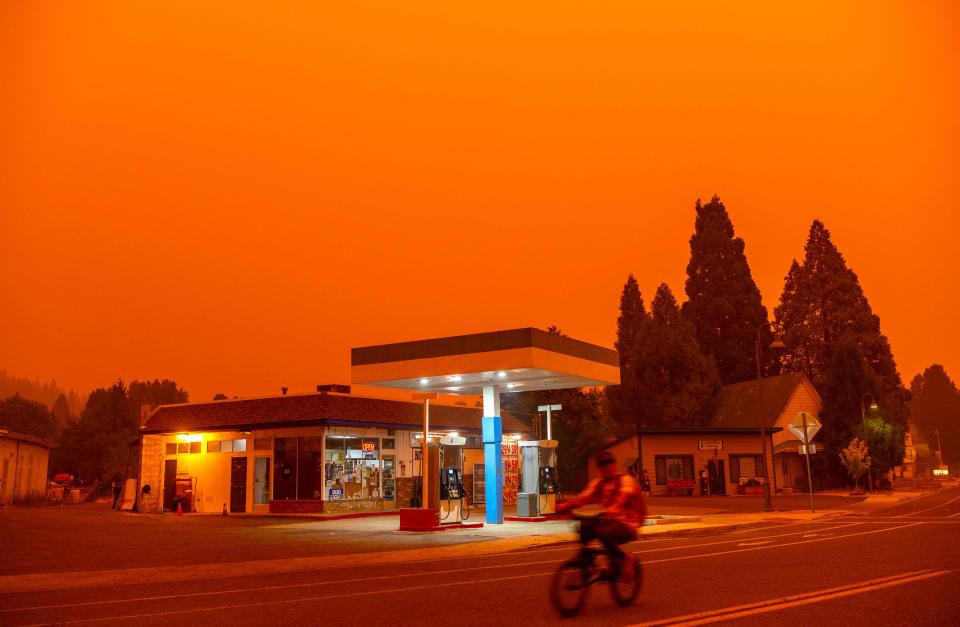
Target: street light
863	424
777	344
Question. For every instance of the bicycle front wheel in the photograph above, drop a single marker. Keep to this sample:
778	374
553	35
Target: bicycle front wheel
570	588
627	586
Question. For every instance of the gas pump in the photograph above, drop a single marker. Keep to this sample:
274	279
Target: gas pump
539	484
453	498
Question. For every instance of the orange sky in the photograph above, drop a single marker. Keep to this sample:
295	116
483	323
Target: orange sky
234	196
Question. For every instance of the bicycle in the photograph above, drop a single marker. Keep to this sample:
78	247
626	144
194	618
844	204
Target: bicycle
570	586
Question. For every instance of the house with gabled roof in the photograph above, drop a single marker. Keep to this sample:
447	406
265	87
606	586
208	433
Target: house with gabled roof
726	454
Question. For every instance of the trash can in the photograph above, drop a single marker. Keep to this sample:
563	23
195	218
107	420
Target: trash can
527	504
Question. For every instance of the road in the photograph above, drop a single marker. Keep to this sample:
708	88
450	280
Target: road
893	566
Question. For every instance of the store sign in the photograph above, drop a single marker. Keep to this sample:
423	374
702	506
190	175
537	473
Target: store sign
709	445
369	446
336	494
941	472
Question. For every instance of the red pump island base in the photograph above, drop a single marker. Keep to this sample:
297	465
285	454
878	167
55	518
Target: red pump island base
428	519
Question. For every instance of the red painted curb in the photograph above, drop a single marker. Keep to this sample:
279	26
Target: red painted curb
444	527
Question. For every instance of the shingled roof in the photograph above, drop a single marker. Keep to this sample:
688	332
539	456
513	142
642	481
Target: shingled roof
749	405
330	409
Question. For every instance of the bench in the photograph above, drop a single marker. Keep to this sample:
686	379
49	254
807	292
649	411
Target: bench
680	486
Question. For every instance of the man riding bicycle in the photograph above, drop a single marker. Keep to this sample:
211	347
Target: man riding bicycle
623	509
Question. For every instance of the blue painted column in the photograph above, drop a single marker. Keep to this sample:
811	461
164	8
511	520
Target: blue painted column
493	467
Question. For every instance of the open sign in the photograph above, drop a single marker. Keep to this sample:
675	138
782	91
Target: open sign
368	446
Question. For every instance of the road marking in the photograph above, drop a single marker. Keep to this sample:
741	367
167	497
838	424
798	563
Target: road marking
382	577
322	597
455	570
781	535
782	603
928	509
777	546
761	542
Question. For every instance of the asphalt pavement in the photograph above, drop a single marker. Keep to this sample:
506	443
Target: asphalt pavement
892	565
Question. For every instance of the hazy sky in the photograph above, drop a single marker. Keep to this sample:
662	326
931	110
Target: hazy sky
234	195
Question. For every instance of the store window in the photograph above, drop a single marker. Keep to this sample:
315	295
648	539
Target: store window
213	446
261	444
310	468
284	469
183	447
195	447
352	468
673	468
745	467
171	448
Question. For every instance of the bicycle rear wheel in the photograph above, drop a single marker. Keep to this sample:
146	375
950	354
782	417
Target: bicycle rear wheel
570	588
627	586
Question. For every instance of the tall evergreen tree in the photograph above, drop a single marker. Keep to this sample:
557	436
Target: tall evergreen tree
61	409
847	381
625	400
935	406
677	382
822	303
723	303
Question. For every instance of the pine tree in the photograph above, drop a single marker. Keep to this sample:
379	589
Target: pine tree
625	400
61	409
822	303
677	382
723	303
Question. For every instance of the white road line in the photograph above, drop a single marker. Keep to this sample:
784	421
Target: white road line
781	603
457	570
361	579
322	597
928	509
760	542
777	546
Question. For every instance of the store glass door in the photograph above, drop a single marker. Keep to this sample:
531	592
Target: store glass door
261	481
389	479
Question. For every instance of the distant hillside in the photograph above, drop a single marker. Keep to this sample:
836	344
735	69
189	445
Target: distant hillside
43	392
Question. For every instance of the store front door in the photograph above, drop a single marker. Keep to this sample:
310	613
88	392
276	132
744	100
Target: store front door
718	485
169	484
238	484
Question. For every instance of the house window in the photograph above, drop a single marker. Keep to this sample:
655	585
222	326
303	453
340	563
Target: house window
675	467
746	467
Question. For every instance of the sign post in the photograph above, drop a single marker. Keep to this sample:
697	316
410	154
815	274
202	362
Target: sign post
548	409
805	426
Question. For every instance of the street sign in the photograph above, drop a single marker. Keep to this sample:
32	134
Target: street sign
549	408
801	420
802	449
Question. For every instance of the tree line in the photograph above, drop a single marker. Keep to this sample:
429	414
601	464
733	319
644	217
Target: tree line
96	445
674	359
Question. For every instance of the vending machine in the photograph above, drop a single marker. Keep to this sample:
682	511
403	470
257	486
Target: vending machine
539	485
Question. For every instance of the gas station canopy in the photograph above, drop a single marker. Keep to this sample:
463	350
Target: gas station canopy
517	360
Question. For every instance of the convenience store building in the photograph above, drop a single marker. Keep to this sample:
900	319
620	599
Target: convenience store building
325	452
